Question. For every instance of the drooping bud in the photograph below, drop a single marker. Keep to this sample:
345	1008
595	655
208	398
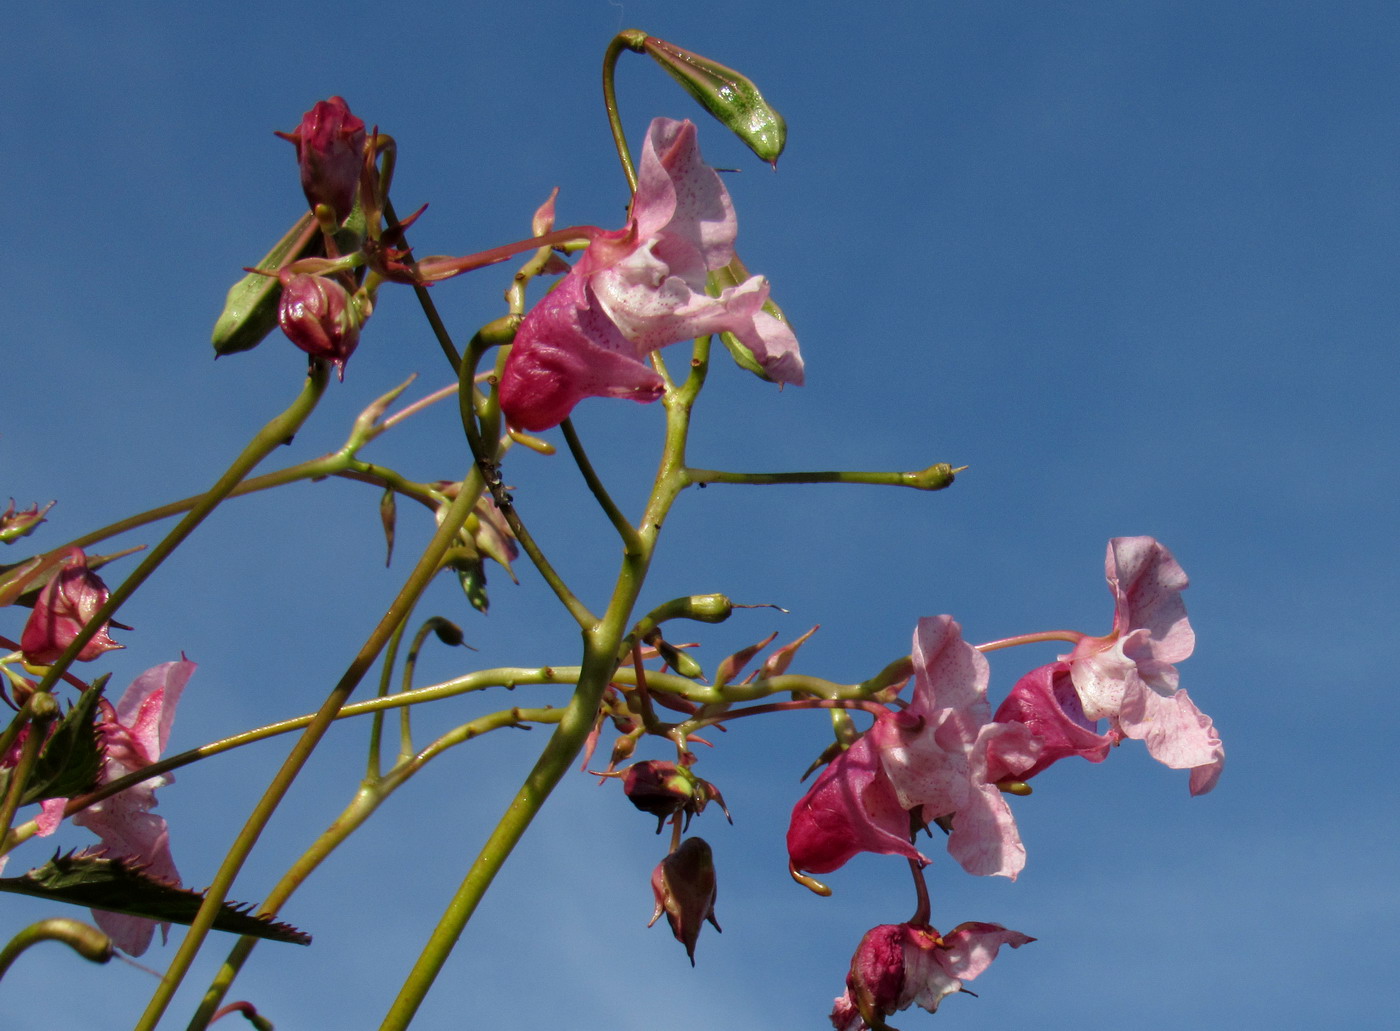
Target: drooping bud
666	788
330	144
684	886
66	603
320	317
727	94
17	524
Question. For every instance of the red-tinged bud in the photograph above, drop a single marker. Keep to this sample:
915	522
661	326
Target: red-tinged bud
66	603
665	788
320	317
14	525
330	144
684	886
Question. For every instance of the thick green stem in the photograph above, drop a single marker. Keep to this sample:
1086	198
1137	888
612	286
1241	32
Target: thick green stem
238	852
601	644
274	434
368	799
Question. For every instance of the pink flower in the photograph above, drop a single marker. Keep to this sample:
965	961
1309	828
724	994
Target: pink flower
897	965
932	756
330	144
1129	678
1045	703
640	288
132	735
70	598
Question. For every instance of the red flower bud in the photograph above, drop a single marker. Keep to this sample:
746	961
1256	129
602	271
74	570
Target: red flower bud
320	317
684	886
330	144
70	598
665	788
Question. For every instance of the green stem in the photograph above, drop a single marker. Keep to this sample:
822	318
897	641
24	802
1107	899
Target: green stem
273	435
488	458
398	610
86	941
40	710
361	807
628	39
625	530
935	477
601	644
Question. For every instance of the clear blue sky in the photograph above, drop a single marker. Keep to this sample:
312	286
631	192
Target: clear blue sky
1134	264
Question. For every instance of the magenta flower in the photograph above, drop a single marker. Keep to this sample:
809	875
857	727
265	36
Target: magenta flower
898	965
330	144
70	598
132	735
1045	703
641	288
932	756
1129	678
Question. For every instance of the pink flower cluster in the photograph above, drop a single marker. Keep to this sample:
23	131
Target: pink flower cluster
945	757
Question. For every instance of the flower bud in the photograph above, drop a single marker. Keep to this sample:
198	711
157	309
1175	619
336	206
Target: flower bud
320	317
684	886
330	144
665	788
17	524
70	598
728	95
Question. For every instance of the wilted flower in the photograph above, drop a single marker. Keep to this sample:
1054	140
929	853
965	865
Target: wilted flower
132	735
684	886
71	597
898	965
1128	677
330	144
640	288
320	316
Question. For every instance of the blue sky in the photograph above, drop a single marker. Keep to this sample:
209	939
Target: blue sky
1134	264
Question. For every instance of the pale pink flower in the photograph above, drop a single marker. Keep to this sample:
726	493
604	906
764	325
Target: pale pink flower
1129	676
641	288
898	965
132	736
932	756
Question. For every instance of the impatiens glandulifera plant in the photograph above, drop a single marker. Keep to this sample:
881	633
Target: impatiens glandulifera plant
939	750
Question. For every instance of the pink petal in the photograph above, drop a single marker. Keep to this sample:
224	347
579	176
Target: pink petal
1147	583
1176	733
1045	702
969	948
984	839
851	808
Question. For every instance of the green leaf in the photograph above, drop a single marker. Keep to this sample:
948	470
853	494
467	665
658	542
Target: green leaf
119	886
71	758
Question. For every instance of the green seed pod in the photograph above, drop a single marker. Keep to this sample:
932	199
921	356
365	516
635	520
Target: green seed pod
250	311
728	95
